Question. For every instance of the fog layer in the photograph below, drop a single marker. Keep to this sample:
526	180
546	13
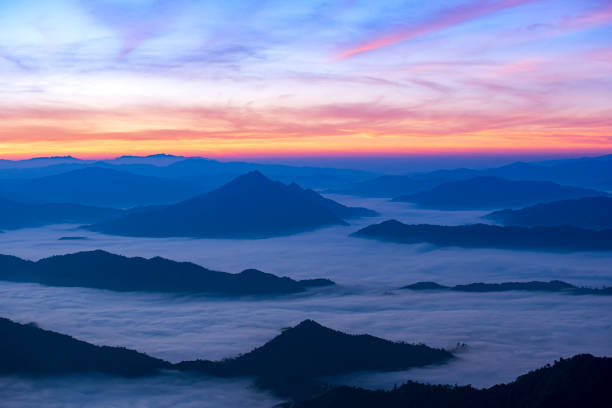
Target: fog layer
507	333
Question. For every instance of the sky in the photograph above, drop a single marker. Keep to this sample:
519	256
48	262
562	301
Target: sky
305	78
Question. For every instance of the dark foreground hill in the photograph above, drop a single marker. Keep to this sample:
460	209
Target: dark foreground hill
556	286
27	349
291	363
581	381
587	212
494	192
98	186
103	270
14	215
491	236
250	206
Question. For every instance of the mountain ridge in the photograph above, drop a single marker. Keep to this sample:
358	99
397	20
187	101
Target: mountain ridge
119	273
250	206
490	236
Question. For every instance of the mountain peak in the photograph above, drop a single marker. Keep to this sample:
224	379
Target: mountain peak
308	324
254	174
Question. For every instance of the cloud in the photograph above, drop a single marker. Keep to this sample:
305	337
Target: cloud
163	391
135	23
373	127
507	333
442	20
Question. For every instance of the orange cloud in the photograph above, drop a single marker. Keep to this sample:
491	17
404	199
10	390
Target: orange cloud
323	129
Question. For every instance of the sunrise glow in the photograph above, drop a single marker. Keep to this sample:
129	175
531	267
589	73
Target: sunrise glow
297	78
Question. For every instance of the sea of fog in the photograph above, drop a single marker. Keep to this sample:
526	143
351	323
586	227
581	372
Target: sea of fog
506	334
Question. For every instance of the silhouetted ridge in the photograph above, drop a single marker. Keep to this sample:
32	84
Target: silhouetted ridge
283	365
533	286
587	212
494	192
292	362
102	270
581	381
27	349
250	206
490	236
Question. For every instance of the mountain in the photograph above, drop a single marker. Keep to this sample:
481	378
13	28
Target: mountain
335	207
200	174
222	172
153	159
291	363
390	186
591	172
28	350
533	286
491	236
38	162
119	273
493	192
587	212
250	206
14	215
97	186
581	381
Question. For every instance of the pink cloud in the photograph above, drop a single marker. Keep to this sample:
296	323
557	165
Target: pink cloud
587	20
445	19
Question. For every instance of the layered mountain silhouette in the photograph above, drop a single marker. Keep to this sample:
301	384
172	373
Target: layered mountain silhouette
490	236
103	270
97	186
389	186
556	286
198	173
250	206
28	350
580	381
290	363
14	215
493	192
587	212
592	172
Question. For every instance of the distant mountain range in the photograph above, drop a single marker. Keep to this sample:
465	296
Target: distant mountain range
490	236
197	173
250	206
581	381
587	212
493	192
291	362
14	215
590	172
532	286
200	174
98	186
389	186
103	270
